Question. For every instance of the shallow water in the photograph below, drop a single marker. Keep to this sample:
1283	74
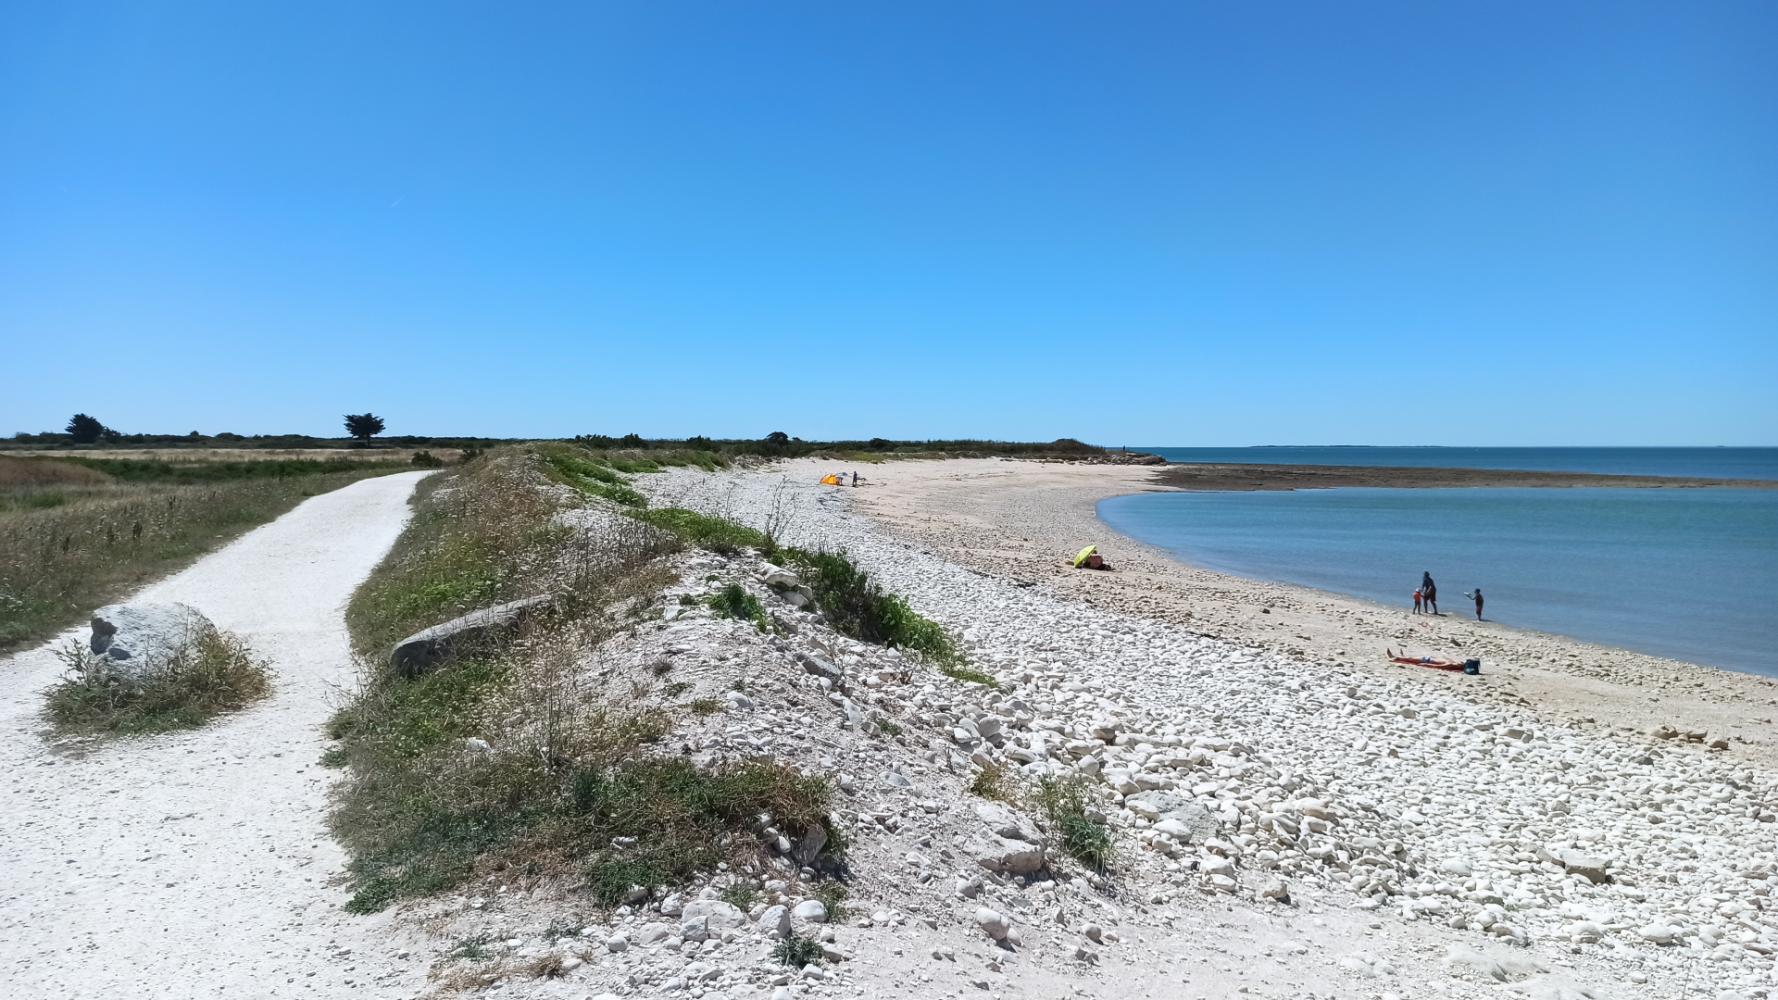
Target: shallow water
1690	574
1726	463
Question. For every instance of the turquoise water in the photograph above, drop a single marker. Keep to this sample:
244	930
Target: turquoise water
1690	574
1727	463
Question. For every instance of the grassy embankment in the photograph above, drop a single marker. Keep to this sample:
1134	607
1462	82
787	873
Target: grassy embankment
560	782
510	757
75	534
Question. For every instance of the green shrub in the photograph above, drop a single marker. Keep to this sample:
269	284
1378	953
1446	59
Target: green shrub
216	674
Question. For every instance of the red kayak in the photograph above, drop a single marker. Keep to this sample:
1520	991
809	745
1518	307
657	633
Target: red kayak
1463	666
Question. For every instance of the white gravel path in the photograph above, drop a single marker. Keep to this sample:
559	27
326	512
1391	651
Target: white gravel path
198	864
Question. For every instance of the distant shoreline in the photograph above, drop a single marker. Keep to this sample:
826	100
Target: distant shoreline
1236	477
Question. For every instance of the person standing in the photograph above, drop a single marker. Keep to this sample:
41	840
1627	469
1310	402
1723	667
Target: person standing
1416	602
1478	604
1429	590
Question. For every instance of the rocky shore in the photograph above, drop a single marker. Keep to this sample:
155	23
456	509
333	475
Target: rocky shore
1288	823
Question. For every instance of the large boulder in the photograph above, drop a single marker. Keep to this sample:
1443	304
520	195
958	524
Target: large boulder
428	648
134	640
1008	844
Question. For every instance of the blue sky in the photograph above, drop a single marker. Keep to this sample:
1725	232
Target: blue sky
1145	223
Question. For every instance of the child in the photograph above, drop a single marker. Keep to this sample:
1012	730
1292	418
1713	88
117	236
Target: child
1416	602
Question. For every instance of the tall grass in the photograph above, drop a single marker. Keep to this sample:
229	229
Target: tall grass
99	539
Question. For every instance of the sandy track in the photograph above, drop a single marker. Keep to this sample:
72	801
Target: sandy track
198	864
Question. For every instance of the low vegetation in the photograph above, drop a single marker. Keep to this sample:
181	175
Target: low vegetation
856	605
705	532
1063	802
76	534
797	951
733	601
514	758
217	674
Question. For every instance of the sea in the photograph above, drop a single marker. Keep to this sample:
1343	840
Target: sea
1686	573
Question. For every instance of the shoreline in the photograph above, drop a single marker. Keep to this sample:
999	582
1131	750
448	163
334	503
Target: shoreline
1235	477
1021	520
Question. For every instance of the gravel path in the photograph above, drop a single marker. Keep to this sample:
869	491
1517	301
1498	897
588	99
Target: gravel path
198	864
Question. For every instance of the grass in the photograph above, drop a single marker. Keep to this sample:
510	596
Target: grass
740	895
856	605
833	895
733	601
217	674
73	537
145	470
993	782
589	475
1063	801
797	951
478	537
566	787
714	533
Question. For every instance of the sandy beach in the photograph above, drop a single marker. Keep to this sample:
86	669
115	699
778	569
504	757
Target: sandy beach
1021	520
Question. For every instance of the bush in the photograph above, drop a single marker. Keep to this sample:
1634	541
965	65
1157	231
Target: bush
217	674
426	460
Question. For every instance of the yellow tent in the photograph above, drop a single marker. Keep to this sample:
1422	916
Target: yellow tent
830	480
1081	557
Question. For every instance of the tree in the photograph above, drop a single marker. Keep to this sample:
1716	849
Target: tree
84	429
778	438
364	426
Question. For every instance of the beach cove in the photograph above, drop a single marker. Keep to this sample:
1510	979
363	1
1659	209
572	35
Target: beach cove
1020	520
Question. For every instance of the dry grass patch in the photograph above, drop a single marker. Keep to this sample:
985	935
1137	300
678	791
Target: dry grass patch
217	674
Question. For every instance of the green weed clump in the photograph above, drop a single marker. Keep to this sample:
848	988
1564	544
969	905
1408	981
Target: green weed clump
217	674
733	601
856	605
797	951
703	531
1063	801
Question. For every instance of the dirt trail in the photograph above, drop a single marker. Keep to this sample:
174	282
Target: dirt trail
198	864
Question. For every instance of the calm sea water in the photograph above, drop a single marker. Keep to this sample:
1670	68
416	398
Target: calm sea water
1691	574
1727	463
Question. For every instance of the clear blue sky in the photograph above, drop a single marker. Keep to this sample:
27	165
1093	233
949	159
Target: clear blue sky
1486	223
